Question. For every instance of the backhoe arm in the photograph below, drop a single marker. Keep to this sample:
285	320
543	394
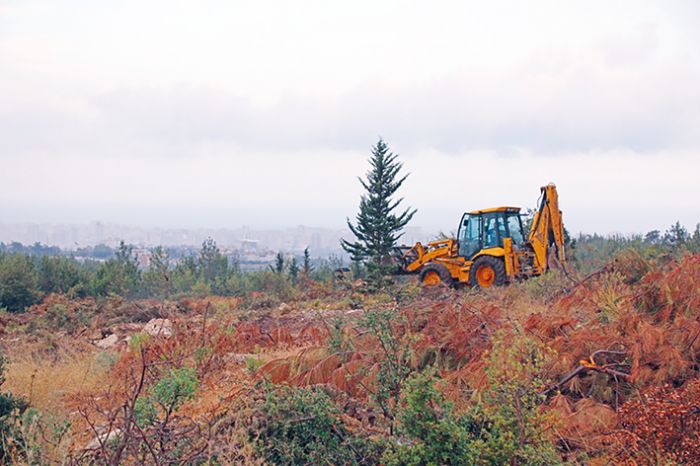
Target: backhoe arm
419	255
547	228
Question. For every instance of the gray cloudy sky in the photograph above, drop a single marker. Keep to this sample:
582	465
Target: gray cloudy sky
261	113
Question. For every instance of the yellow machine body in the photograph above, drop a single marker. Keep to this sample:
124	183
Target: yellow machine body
491	248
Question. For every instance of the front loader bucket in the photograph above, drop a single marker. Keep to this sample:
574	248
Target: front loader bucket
402	256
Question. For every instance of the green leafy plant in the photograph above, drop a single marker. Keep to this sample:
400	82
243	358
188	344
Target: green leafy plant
394	359
512	429
431	434
166	396
302	426
252	364
336	341
12	409
504	426
138	341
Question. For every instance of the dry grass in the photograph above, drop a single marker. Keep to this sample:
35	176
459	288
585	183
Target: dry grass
46	382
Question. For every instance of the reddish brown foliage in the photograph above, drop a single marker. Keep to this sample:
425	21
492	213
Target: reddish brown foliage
673	290
662	426
605	312
583	422
646	315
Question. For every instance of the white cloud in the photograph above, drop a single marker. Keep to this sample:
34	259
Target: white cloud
266	110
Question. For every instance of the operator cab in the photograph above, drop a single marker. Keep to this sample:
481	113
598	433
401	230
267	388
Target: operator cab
483	229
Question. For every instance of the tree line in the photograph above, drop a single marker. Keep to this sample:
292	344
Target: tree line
26	278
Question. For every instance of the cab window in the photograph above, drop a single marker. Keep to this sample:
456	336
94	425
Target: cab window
469	236
515	228
494	230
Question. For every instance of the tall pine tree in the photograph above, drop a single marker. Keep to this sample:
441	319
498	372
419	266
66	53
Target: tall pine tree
307	267
378	224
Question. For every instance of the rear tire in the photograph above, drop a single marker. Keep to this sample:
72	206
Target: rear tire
434	274
487	271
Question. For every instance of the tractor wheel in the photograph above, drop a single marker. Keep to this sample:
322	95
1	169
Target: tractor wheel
434	274
487	271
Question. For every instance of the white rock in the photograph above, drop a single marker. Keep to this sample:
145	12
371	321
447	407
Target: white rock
108	341
159	327
284	308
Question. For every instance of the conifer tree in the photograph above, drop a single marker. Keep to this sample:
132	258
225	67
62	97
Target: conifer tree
293	270
307	268
677	235
213	265
278	268
378	225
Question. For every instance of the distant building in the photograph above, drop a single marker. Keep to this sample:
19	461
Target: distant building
143	258
249	245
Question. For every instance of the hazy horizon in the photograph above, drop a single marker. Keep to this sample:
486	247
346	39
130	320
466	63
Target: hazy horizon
144	235
220	114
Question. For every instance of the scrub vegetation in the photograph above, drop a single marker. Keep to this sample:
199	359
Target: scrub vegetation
598	365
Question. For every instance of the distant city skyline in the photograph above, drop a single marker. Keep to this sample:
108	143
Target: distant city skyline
321	241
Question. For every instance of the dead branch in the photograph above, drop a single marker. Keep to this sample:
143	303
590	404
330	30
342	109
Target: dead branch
590	365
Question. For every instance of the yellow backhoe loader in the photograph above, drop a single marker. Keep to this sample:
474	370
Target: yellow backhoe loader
491	248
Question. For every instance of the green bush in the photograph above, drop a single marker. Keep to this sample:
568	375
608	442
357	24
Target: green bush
19	282
120	275
58	274
166	396
436	436
156	280
302	426
504	426
11	410
182	279
511	426
395	367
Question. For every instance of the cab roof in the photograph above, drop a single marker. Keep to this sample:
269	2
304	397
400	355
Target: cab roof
495	209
